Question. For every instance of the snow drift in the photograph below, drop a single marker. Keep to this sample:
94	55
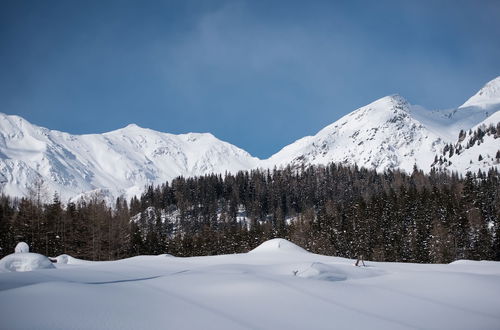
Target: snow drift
65	259
278	245
24	262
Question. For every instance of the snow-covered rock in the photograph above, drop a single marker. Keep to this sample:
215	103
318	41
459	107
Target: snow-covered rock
22	247
24	262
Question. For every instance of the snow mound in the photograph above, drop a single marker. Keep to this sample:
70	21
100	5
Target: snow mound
321	271
475	263
24	262
340	272
278	245
66	259
22	247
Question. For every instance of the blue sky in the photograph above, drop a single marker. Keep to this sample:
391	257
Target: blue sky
258	74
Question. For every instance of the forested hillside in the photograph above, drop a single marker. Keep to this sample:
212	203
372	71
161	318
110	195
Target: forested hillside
332	210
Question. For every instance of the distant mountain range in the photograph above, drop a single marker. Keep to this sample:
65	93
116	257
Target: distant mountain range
389	133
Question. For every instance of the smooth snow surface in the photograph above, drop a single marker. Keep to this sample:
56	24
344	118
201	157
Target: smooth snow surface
22	247
280	287
24	262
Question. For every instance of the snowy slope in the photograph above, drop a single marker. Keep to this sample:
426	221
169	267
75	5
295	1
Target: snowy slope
474	111
471	154
487	98
276	286
391	133
118	162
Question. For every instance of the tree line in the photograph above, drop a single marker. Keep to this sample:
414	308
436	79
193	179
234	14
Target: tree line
467	141
334	210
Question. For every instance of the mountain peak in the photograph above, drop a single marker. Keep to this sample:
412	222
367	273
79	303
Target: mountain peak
14	123
396	99
490	93
132	126
391	103
13	118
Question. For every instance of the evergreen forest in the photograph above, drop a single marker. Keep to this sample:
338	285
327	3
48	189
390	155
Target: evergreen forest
333	210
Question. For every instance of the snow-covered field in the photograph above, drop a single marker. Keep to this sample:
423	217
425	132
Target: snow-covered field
276	286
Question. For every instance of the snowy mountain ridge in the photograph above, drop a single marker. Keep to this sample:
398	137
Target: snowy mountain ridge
119	162
388	133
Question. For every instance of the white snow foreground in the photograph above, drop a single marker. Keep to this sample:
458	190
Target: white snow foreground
276	286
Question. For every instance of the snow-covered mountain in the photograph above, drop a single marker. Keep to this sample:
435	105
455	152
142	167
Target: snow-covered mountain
476	149
114	163
380	135
391	133
386	134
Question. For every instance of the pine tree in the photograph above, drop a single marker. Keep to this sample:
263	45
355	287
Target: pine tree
7	242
